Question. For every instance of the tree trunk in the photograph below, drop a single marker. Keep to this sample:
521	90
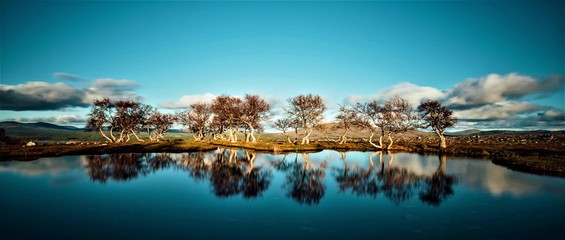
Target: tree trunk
235	134
196	138
287	137
371	141
443	144
230	135
343	139
390	144
138	139
251	132
306	140
104	135
150	134
112	134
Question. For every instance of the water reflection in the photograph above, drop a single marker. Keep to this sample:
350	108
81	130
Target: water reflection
303	183
439	186
116	166
397	177
358	180
233	173
397	184
195	164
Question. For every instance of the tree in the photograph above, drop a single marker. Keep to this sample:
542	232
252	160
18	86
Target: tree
101	116
398	117
227	113
309	111
347	119
325	129
283	125
438	117
124	116
128	117
371	116
161	123
254	109
145	111
197	118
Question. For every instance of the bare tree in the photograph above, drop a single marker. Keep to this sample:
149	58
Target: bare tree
254	109
347	119
283	125
399	117
123	116
371	116
309	111
101	116
129	116
438	117
197	118
161	123
227	113
145	111
325	129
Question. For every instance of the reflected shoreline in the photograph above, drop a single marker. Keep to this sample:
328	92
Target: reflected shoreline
304	178
233	172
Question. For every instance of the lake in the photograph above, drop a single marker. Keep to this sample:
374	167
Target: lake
238	194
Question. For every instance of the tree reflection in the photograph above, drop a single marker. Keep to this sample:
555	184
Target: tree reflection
159	161
303	183
359	181
439	186
118	166
395	183
233	173
398	184
195	164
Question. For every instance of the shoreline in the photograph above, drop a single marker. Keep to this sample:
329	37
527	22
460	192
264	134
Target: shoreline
540	161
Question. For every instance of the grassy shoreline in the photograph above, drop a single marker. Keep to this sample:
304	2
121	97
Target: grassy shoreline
542	161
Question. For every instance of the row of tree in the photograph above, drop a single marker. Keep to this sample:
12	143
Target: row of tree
118	121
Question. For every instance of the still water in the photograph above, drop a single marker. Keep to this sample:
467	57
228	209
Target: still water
238	194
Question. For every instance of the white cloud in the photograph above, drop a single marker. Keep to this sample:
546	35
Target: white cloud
67	76
64	119
40	96
501	110
187	100
496	88
112	88
412	92
37	96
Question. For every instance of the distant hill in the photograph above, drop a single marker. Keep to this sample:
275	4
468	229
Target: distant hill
44	125
46	131
42	131
464	133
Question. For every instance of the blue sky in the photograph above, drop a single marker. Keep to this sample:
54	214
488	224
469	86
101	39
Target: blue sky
59	55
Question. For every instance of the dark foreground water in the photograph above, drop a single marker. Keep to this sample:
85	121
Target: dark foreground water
235	194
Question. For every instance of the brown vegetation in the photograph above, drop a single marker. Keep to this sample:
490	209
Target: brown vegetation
536	152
